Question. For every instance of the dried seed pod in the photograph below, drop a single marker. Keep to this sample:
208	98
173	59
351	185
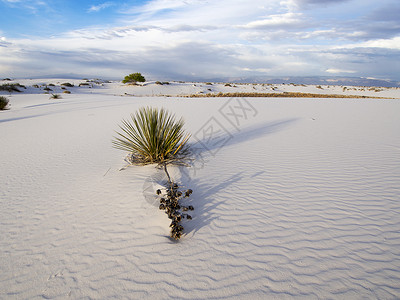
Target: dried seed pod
191	207
189	217
162	200
158	192
162	206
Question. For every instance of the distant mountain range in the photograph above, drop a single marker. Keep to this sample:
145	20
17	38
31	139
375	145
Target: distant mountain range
313	80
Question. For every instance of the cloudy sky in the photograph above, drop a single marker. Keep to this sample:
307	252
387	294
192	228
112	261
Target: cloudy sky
182	39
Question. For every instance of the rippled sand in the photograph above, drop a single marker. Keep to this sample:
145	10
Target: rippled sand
293	198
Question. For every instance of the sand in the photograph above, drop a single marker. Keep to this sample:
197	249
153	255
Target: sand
293	198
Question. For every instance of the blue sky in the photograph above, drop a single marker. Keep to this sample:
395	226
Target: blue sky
182	39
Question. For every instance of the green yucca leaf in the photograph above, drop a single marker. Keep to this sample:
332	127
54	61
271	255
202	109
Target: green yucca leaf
152	136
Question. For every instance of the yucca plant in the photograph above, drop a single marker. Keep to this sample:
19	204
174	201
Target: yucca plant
153	136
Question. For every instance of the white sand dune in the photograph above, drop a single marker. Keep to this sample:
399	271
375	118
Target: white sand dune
294	198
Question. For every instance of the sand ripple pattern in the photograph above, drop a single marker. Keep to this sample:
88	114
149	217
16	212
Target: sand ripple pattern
307	211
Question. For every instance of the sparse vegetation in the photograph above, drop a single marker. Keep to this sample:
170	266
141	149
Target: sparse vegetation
134	78
3	102
66	92
11	87
67	84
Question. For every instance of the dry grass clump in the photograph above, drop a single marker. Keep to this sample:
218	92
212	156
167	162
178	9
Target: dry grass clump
55	96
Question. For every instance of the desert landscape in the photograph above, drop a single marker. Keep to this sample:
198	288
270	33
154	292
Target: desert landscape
294	196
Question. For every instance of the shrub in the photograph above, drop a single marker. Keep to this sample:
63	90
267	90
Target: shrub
152	136
3	103
66	92
133	78
67	84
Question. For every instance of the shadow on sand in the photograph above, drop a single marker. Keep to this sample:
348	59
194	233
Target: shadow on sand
203	198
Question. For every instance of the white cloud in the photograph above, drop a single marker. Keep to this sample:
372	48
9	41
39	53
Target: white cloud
339	71
220	38
393	43
282	20
96	8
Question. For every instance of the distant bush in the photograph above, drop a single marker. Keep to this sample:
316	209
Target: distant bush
3	102
67	92
133	78
162	83
67	84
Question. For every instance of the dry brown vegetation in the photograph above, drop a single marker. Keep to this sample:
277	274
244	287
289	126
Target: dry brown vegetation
278	95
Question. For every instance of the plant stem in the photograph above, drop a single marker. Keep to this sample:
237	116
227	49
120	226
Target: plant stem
169	178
